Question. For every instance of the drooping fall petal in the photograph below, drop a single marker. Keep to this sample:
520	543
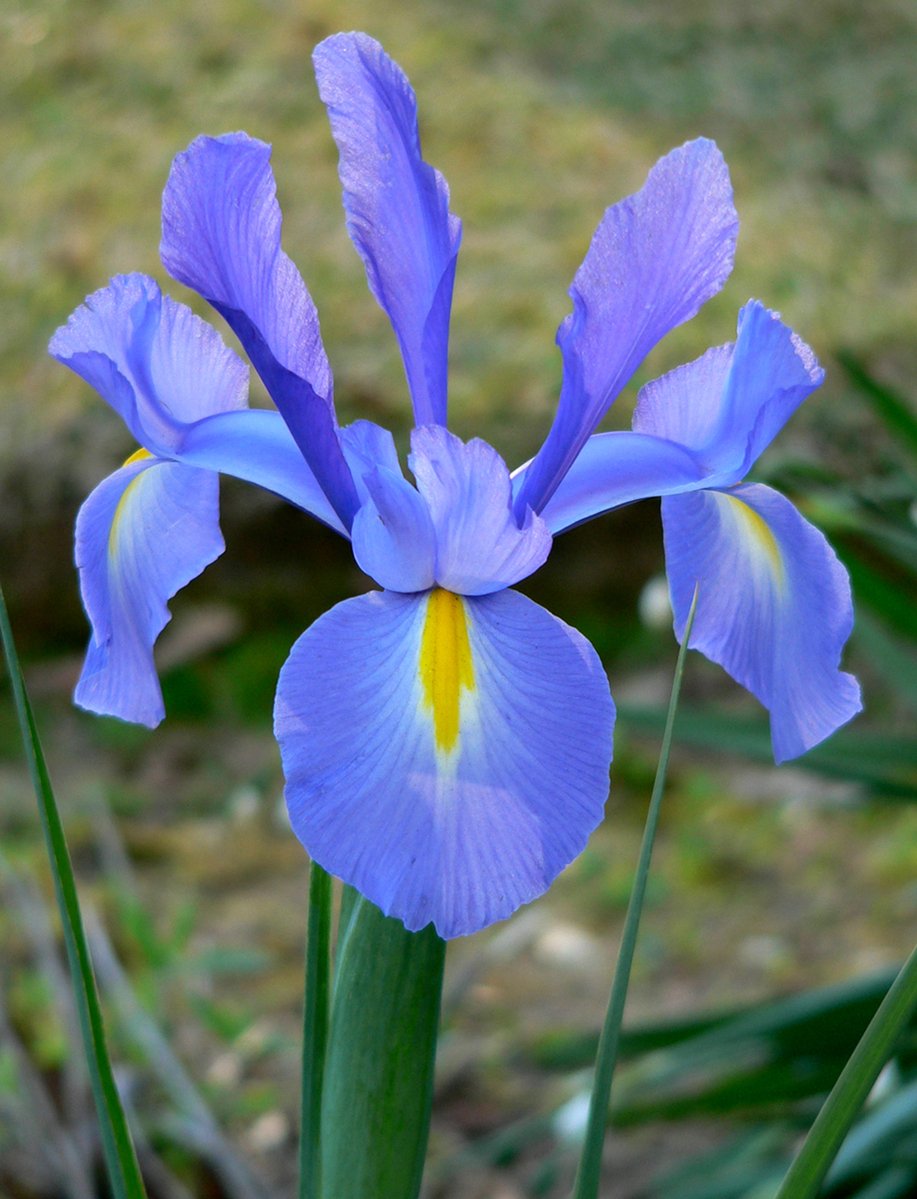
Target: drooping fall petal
773	608
145	532
447	757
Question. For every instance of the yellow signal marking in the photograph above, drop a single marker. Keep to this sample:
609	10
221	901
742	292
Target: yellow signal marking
446	666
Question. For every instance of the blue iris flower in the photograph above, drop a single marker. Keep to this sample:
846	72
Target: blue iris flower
446	741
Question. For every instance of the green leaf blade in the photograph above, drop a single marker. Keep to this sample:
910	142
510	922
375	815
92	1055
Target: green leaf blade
827	1134
118	1149
588	1177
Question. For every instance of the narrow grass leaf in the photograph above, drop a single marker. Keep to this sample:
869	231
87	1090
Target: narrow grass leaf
827	1134
315	1031
874	1140
588	1175
118	1149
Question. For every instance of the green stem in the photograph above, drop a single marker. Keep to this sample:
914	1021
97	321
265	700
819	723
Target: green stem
381	1052
117	1147
315	1031
588	1176
849	1093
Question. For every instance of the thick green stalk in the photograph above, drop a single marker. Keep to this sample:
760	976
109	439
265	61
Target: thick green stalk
381	1052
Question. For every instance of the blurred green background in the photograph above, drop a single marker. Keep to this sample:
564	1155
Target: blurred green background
540	114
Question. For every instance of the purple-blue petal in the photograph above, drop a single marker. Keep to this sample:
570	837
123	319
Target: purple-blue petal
656	257
397	207
392	534
773	608
459	836
367	445
480	546
221	235
256	445
728	405
145	532
685	405
613	469
156	363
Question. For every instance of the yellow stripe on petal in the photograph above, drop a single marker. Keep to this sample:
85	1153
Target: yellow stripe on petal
446	667
759	534
140	455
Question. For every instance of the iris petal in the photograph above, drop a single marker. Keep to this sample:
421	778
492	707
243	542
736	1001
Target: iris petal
656	257
773	609
256	445
145	532
728	405
480	547
448	770
685	405
156	363
613	469
221	236
367	445
397	207
393	537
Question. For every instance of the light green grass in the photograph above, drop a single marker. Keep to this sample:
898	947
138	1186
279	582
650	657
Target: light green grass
540	114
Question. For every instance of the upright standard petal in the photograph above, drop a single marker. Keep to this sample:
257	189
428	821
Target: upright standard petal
145	532
728	405
221	236
156	363
773	607
480	546
448	757
656	257
397	207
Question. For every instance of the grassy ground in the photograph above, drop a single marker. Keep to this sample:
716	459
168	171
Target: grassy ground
540	114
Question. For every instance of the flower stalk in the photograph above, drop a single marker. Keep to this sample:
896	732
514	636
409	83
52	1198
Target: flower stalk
378	1087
